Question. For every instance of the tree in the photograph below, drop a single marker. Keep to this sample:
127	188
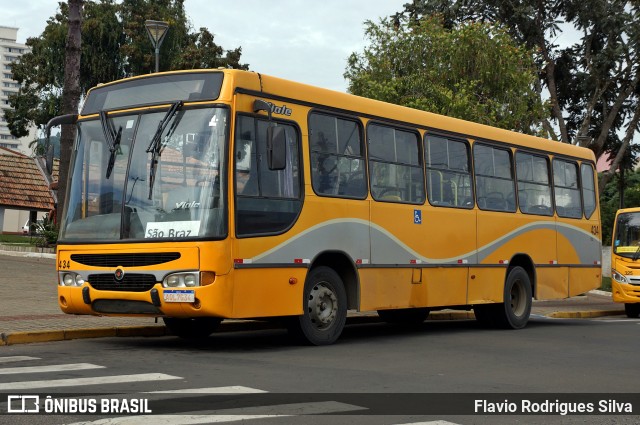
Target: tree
593	84
70	96
114	45
471	71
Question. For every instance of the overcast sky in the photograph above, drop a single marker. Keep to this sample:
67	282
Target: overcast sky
301	40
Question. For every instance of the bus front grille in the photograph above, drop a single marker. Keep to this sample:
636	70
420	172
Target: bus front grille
131	282
125	259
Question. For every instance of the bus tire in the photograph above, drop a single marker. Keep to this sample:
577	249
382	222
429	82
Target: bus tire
632	310
514	311
192	328
325	308
404	316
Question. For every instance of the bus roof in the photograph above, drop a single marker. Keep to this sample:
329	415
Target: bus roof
283	90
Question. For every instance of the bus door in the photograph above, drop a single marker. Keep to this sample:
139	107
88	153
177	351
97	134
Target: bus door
267	204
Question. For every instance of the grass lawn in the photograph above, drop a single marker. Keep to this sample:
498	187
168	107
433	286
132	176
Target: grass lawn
16	239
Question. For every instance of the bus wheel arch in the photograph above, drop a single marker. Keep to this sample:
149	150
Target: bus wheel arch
330	289
524	261
342	264
519	286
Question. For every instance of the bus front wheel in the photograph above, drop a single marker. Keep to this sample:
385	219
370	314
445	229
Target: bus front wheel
325	308
192	328
632	310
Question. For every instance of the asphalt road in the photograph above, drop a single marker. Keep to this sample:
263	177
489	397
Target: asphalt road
375	374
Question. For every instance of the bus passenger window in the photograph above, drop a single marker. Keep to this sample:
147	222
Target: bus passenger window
534	187
337	157
394	164
448	176
588	189
494	180
567	192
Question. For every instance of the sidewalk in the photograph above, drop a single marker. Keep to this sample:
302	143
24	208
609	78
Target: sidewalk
29	310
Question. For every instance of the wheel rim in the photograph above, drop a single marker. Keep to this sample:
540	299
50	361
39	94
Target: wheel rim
518	298
322	306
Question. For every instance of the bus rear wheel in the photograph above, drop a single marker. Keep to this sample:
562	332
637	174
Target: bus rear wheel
404	316
514	311
632	310
192	328
325	308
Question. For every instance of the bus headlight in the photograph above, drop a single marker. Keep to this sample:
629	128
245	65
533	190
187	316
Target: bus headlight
618	277
181	280
71	279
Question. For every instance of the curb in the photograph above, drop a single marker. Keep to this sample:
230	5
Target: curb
585	314
28	337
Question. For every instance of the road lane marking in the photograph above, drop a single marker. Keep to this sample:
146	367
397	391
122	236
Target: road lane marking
10	359
49	368
234	389
76	382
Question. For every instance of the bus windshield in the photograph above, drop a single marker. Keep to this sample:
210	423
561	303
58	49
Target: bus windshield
627	237
159	180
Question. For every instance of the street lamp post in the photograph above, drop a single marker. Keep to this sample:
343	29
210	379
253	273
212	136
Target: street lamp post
156	30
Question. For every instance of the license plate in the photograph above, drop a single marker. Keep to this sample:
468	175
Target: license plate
179	295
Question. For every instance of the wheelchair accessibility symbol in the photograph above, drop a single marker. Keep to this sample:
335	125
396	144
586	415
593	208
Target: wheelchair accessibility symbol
417	217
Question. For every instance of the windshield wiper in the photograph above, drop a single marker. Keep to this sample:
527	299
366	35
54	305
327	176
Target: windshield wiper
157	145
637	253
113	140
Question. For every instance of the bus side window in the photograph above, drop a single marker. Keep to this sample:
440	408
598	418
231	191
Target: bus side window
337	156
494	178
395	165
567	192
534	187
267	201
588	189
448	176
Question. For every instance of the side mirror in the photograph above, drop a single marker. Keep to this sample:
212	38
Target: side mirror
53	122
61	120
276	148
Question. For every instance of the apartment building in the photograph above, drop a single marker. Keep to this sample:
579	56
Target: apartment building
10	51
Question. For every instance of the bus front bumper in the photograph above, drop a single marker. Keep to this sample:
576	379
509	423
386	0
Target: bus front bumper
624	292
159	301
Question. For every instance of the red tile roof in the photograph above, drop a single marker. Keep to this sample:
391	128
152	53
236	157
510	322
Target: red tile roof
23	185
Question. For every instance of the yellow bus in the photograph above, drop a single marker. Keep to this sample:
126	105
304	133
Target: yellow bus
198	196
625	264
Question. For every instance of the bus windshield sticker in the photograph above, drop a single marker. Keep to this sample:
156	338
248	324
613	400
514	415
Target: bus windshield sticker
172	229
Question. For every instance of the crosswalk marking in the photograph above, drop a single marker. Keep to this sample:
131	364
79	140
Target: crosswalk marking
234	389
100	380
233	415
49	368
203	416
10	359
431	423
177	419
